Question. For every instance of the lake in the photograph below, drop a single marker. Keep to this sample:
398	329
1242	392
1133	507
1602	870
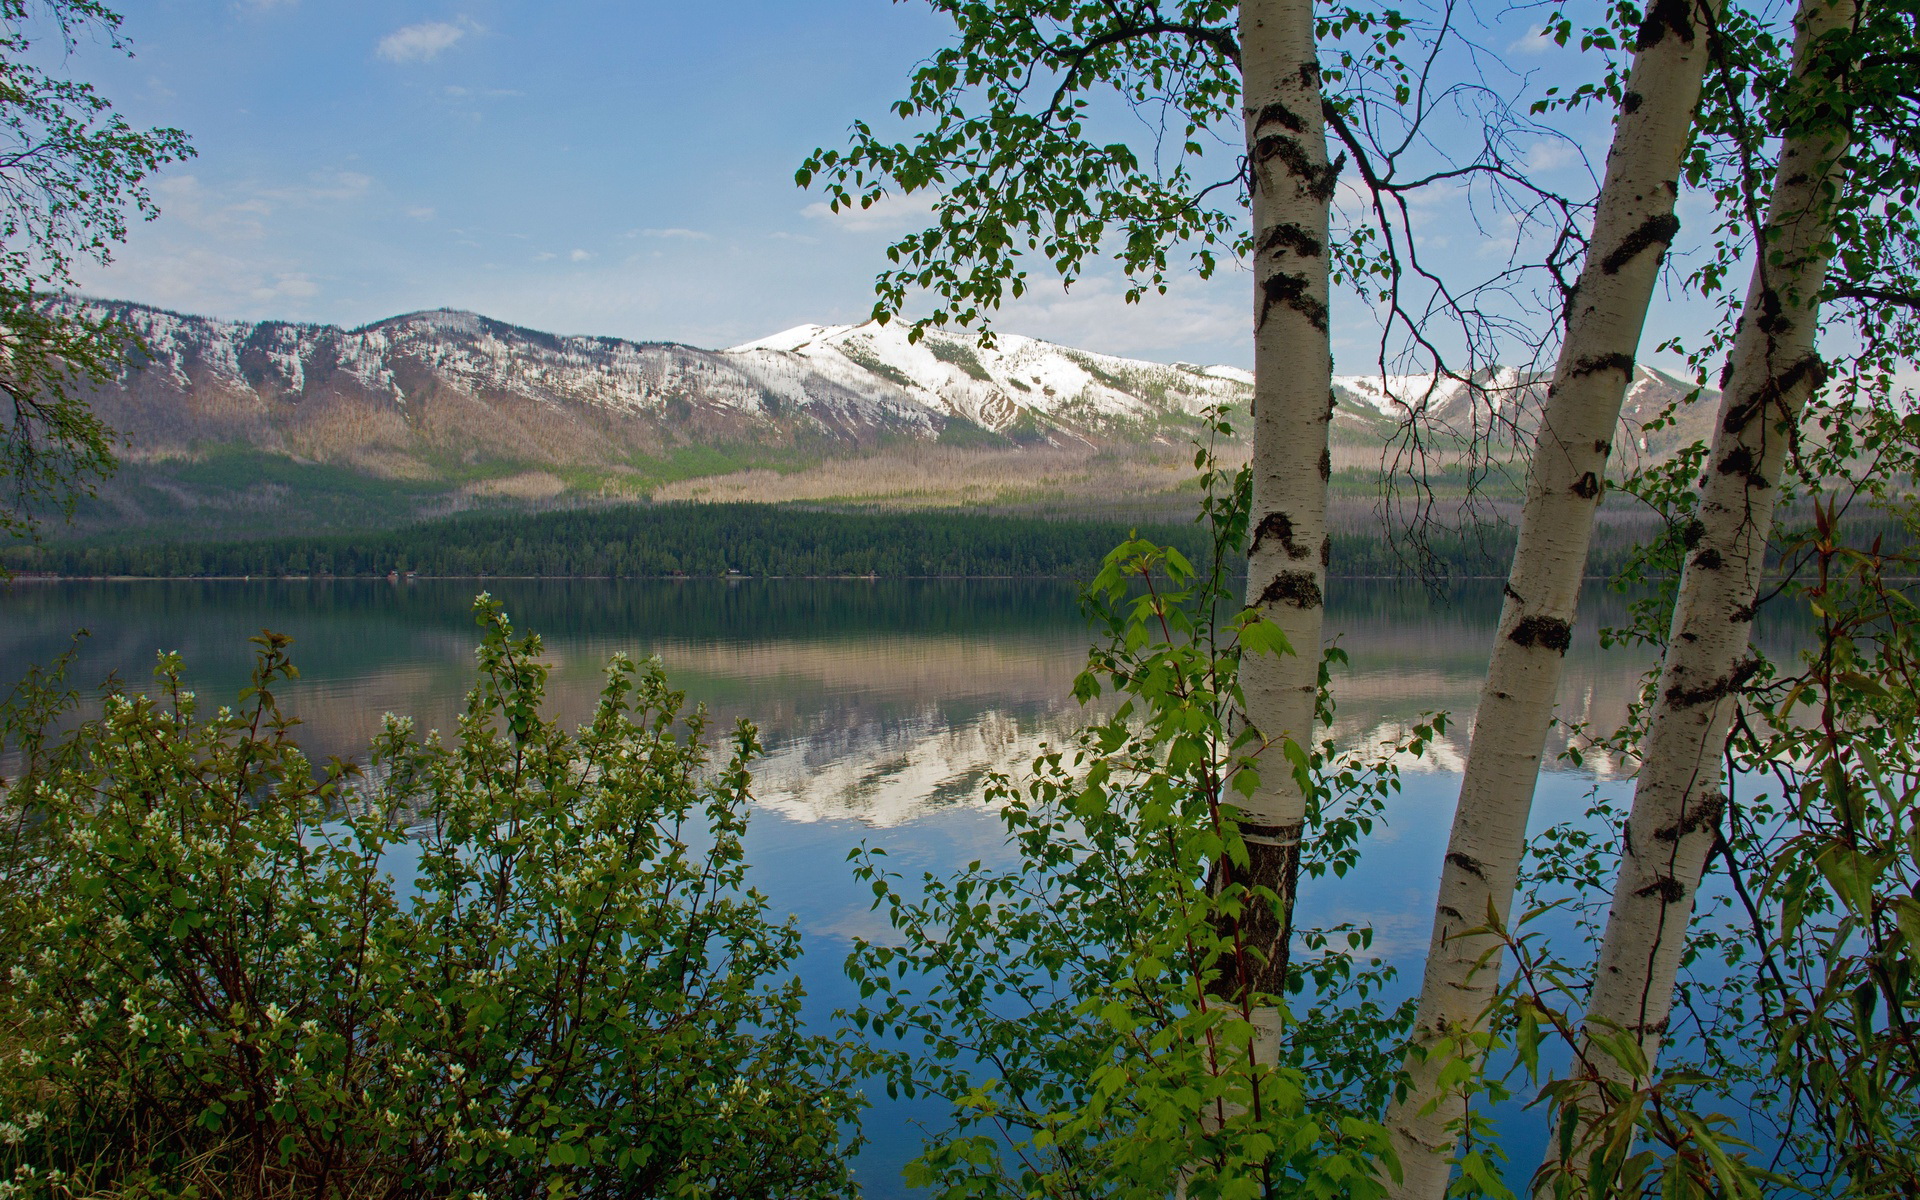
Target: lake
882	705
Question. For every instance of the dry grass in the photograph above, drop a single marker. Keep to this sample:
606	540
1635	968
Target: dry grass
1076	479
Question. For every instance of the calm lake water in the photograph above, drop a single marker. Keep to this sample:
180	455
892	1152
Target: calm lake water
882	706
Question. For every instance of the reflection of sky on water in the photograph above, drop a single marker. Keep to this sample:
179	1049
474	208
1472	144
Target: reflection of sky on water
882	708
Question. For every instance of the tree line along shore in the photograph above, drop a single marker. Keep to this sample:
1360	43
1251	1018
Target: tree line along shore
719	540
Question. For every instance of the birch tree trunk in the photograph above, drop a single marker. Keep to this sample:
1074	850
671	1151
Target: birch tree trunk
1292	189
1772	371
1633	225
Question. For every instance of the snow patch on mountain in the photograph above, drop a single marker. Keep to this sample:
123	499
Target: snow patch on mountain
1013	384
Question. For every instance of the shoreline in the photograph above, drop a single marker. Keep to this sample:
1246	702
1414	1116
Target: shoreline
24	577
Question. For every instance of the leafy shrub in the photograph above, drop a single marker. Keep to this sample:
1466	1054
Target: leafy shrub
519	962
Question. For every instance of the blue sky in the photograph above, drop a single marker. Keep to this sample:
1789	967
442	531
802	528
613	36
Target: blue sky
579	166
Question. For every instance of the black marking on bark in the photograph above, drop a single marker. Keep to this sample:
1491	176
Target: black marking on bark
1333	401
1664	17
1593	364
1448	910
1630	103
1726	374
1310	75
1329	181
1709	693
1740	615
1255	829
1667	888
1689	637
1290	291
1587	486
1739	416
1549	633
1739	461
1276	113
1289	236
1467	863
1602	447
1705	815
1769	320
1263	929
1317	180
1299	589
1709	560
1326	551
1691	535
1654	231
1812	368
1326	464
1278	525
1809	370
1506	589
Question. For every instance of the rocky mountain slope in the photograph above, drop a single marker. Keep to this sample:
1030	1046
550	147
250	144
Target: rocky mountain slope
228	421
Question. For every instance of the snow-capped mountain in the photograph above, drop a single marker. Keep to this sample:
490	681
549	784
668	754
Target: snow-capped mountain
434	410
1018	382
427	385
1501	405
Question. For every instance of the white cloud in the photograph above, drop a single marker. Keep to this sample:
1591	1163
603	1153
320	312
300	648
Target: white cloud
287	284
888	214
676	233
240	211
545	256
1195	316
579	256
423	212
1551	154
423	42
206	277
781	235
1533	41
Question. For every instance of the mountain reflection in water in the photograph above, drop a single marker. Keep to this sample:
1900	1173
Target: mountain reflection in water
877	701
882	706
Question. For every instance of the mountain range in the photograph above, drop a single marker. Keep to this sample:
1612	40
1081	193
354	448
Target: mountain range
229	425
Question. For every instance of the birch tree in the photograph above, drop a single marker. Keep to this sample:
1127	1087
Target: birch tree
1292	185
1633	225
1772	371
1008	148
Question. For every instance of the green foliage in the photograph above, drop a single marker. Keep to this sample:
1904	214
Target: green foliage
1076	1008
1793	1043
517	962
70	168
1828	863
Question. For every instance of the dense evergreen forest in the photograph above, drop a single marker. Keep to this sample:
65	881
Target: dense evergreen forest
710	540
752	539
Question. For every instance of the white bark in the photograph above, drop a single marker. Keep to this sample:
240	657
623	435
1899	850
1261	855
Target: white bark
1633	224
1677	803
1292	399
